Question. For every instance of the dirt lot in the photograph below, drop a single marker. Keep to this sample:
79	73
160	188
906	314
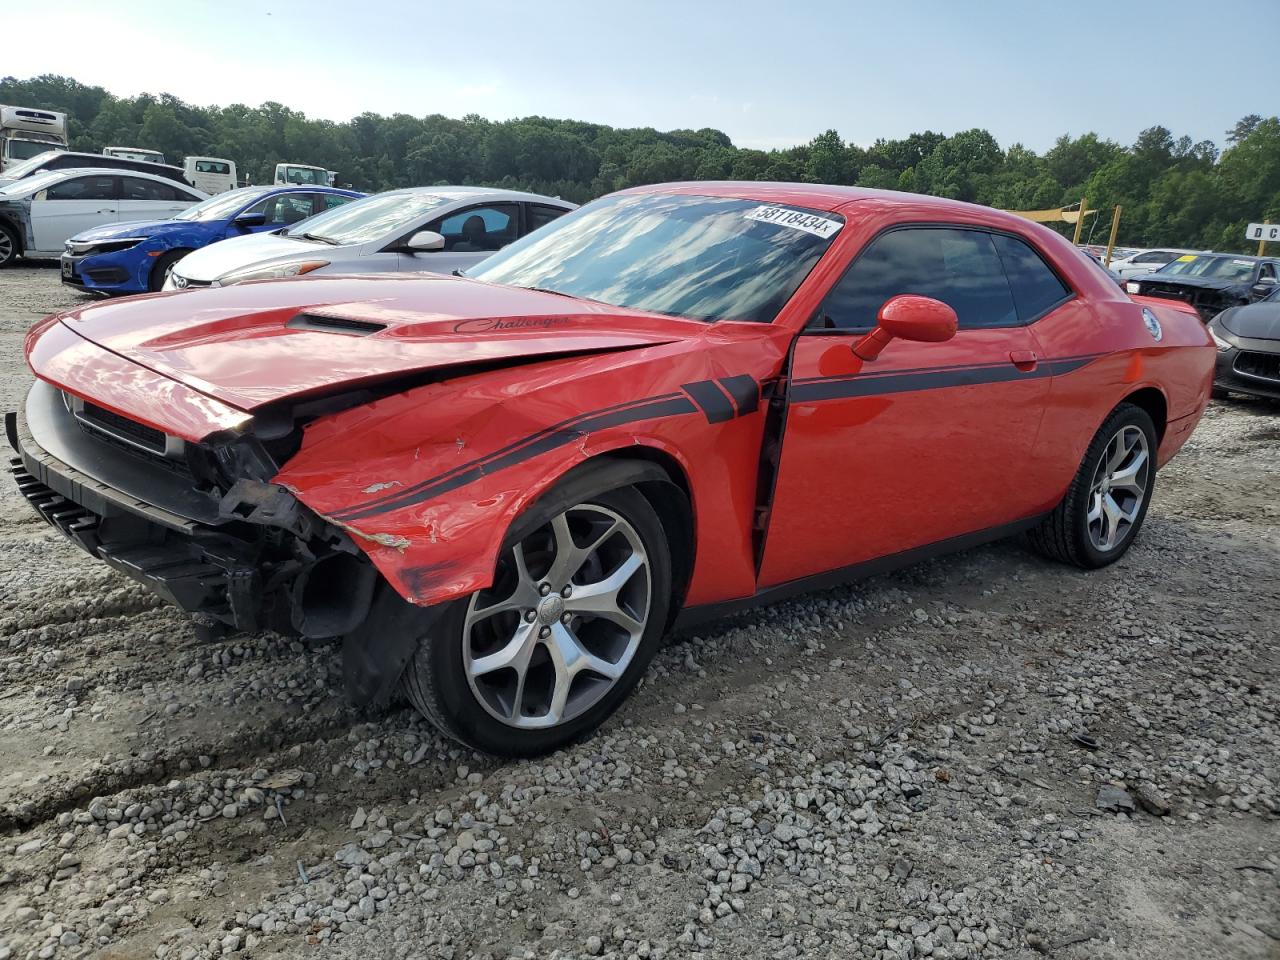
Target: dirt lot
887	770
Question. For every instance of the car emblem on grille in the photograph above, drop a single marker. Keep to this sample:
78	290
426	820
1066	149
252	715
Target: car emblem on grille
1153	325
181	282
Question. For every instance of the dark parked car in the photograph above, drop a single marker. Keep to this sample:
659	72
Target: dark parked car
68	160
1210	282
1248	340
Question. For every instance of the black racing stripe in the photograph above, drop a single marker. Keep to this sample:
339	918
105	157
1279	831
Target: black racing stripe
712	401
860	386
955	366
668	406
514	445
744	391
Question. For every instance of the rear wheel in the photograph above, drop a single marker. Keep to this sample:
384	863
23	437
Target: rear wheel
8	246
1105	505
161	269
577	608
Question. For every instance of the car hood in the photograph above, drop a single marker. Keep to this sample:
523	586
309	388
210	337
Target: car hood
134	228
218	259
1257	321
257	343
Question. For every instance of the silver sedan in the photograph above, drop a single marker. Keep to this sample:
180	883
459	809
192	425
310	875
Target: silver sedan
429	229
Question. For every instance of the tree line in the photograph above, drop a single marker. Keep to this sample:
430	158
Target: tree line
1174	191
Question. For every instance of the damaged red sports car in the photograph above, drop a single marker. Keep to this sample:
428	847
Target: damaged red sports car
502	489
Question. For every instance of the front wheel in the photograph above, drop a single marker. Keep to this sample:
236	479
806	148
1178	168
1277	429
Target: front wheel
1100	516
8	246
577	608
161	269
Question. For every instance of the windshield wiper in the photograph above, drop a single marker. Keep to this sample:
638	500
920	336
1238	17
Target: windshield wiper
316	237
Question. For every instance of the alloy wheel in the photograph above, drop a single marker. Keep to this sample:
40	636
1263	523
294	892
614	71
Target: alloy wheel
1119	488
562	621
6	247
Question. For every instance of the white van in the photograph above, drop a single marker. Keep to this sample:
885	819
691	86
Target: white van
134	153
210	174
302	173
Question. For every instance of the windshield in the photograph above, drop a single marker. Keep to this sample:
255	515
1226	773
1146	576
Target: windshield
17	170
33	183
704	258
1215	268
26	149
223	205
370	219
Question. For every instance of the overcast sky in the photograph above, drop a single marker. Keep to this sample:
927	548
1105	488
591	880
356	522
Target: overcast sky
770	74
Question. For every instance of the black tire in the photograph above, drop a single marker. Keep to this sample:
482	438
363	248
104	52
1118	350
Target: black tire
1064	534
435	680
161	268
9	249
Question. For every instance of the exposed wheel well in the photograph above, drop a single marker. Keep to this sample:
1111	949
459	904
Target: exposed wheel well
1152	401
674	505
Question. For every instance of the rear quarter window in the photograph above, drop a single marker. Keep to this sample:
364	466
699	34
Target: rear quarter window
1036	288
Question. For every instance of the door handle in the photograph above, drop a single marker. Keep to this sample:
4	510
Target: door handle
1024	360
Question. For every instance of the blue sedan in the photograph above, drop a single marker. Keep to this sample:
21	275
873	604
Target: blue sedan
137	257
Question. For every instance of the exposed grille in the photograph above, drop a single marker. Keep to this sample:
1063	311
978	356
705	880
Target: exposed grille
1264	365
1208	303
123	428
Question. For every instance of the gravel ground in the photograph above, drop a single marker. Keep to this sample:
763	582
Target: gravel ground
887	770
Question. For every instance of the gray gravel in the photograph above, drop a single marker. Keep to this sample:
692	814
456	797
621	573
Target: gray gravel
983	756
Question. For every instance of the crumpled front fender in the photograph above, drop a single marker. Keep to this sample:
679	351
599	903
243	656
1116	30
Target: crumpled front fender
428	482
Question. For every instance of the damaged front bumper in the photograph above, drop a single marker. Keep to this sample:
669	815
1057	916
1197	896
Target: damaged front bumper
247	557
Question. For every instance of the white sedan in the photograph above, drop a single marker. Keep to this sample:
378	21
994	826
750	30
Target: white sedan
420	229
39	213
1146	261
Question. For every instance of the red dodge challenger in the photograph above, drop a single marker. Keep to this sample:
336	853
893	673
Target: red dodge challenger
502	489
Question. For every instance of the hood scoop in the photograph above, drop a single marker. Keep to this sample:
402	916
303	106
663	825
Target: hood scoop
345	326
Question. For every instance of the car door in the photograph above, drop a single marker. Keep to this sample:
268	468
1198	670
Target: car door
925	444
71	206
143	199
470	235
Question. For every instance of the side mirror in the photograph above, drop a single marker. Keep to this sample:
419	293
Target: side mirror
908	316
1264	286
247	220
424	241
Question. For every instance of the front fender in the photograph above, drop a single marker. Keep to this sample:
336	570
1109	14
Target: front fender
429	481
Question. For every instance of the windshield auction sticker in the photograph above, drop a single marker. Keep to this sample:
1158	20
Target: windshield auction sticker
796	220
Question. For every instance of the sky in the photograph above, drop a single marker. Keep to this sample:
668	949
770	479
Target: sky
769	74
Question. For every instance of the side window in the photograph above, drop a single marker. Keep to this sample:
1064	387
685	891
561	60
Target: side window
284	209
212	166
332	200
540	216
1267	271
959	267
1036	288
1154	256
83	188
479	229
135	188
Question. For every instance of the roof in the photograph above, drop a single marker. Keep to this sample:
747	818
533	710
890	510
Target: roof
466	192
819	196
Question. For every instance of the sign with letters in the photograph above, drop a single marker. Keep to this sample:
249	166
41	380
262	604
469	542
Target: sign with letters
1262	231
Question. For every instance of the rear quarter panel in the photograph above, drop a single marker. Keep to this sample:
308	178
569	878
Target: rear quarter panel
1126	359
